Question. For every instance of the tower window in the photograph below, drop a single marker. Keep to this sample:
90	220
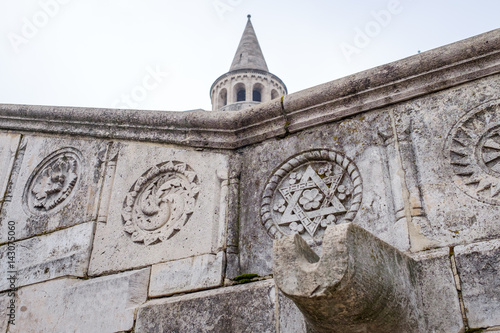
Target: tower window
222	98
274	94
256	96
258	92
241	95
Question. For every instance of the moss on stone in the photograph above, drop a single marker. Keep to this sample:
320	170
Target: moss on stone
245	278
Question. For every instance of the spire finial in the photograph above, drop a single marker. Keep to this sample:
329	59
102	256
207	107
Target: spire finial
249	55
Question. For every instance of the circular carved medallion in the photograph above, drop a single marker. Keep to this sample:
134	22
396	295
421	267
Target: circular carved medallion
52	181
160	202
309	192
473	150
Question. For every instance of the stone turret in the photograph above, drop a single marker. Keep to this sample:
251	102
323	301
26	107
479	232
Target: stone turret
248	81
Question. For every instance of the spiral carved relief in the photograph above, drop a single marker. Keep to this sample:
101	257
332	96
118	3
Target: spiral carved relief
160	202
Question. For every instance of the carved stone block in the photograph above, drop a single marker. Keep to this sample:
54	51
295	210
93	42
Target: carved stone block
61	253
328	175
478	266
245	308
56	186
165	205
440	300
186	275
9	144
5	301
455	144
360	284
291	319
104	304
309	192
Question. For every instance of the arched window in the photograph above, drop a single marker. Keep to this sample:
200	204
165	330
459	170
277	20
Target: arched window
222	101
257	91
256	97
240	92
274	94
240	95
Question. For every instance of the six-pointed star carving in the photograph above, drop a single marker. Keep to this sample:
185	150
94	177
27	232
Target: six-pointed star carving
330	204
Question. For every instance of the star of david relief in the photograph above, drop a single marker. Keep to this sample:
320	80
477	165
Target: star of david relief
473	151
309	192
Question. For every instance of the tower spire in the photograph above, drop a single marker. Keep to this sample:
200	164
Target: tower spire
249	54
248	81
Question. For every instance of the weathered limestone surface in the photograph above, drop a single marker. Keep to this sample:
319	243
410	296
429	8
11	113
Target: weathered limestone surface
291	319
452	136
61	253
233	213
8	148
408	151
55	185
478	266
105	304
5	301
360	284
184	275
165	205
439	294
411	189
352	139
245	308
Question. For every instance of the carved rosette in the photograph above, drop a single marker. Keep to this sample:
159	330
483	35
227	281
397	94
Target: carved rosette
53	181
473	151
309	192
160	202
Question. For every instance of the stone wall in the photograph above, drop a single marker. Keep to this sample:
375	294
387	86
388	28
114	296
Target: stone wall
129	220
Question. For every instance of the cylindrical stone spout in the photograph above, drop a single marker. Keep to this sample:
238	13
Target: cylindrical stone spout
360	283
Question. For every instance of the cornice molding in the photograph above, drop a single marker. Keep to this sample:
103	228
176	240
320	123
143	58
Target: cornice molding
405	79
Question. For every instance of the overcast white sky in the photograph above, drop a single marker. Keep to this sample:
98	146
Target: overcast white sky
164	55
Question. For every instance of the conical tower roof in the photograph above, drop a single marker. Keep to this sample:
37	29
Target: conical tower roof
249	55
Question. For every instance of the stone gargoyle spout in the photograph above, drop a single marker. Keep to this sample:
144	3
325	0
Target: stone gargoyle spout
359	284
